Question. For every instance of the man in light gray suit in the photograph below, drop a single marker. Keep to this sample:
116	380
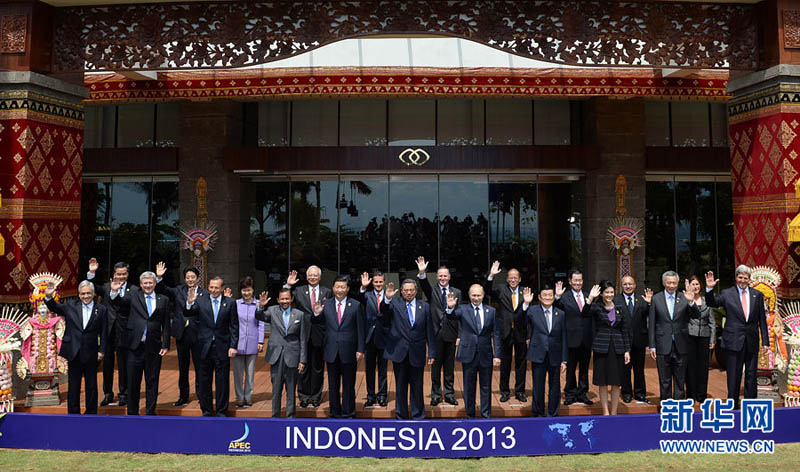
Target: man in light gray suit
286	348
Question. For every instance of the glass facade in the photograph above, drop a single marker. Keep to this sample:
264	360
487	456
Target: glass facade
686	124
126	126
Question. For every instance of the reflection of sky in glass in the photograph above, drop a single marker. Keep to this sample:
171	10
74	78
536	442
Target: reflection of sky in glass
374	205
129	203
684	227
460	199
418	197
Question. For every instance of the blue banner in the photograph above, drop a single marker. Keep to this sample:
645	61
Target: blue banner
374	438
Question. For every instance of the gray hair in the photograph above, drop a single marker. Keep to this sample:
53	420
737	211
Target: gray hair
147	275
319	271
743	269
669	273
86	283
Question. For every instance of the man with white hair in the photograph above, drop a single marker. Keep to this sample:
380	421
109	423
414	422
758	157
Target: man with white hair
309	388
744	310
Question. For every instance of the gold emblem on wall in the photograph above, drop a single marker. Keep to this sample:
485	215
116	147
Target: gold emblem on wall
416	157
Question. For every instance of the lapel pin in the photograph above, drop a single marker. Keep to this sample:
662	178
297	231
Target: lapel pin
348	304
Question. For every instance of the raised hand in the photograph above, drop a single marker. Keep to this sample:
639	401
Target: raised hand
422	266
161	269
93	265
593	293
390	290
115	285
228	292
318	308
451	300
689	292
263	299
711	282
560	289
648	295
527	295
50	289
191	296
365	280
292	279
495	269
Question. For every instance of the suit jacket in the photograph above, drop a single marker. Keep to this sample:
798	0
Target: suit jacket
579	322
445	328
343	339
286	344
739	332
302	300
509	318
542	342
377	327
224	332
404	339
79	342
116	322
637	321
181	325
606	333
476	341
134	306
662	329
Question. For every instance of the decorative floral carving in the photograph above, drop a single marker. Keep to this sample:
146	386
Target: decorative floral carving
13	30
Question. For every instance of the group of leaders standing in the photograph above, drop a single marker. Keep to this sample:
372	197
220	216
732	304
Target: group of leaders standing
315	327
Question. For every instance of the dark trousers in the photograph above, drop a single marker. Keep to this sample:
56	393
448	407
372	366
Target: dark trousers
283	375
520	350
185	347
445	361
342	374
121	353
553	373
141	362
309	389
748	359
697	368
82	371
214	368
374	359
577	357
636	368
671	374
474	373
408	383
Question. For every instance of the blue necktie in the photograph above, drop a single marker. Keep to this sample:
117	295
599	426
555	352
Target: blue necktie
630	305
286	321
444	298
671	305
410	314
478	317
216	310
149	313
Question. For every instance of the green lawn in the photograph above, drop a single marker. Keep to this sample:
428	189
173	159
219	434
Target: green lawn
786	458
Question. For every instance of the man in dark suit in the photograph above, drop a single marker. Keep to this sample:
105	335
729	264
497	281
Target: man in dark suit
446	331
309	389
512	318
668	332
377	329
217	341
183	329
579	337
745	318
147	338
344	346
479	326
115	333
286	348
412	327
637	310
85	323
547	348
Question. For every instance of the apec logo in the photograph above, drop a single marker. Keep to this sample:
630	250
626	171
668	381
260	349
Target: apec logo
241	444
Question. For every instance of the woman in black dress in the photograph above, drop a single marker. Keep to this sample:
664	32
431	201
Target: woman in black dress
611	345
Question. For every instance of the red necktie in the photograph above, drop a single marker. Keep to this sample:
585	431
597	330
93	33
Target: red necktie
744	305
313	297
580	301
378	296
339	312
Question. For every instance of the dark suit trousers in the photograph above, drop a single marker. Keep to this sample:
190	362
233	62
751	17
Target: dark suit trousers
671	374
375	360
445	360
219	369
121	354
736	360
553	373
697	368
635	367
310	387
520	350
78	371
474	373
577	357
408	383
344	375
148	363
283	375
185	345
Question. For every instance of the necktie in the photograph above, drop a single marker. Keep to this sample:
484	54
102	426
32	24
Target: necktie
86	314
410	313
514	300
378	298
744	305
286	321
313	296
339	312
630	305
579	299
478	318
444	298
549	320
671	305
149	306
216	309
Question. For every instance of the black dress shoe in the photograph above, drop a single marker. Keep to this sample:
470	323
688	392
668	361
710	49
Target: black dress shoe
626	398
370	402
504	397
303	404
123	402
106	400
521	397
180	402
382	401
316	403
247	404
569	401
451	401
435	401
222	415
643	400
239	404
586	401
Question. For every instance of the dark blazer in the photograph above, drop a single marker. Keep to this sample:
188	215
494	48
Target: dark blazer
224	332
637	321
579	323
543	343
286	345
78	341
739	333
661	328
114	315
444	327
506	314
302	301
606	333
180	324
404	339
475	341
377	327
134	307
343	339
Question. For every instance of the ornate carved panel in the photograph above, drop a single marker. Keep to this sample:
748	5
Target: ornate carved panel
791	29
13	30
235	34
